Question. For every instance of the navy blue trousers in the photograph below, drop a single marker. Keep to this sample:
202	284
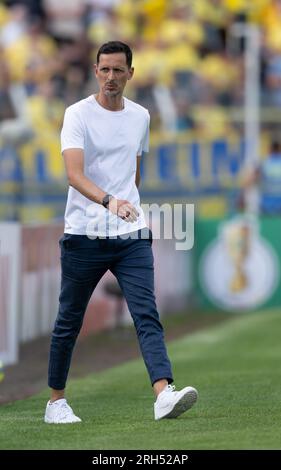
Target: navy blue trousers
84	262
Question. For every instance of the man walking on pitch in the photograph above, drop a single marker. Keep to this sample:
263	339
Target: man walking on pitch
102	139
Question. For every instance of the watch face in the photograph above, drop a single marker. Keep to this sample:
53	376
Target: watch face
106	200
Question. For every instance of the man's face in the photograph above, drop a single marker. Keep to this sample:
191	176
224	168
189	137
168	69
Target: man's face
112	73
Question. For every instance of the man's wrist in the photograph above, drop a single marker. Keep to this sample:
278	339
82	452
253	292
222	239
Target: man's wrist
106	199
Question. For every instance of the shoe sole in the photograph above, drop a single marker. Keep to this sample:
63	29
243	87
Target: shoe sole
47	421
184	404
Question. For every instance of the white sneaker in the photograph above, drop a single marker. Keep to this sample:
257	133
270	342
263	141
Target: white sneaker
171	404
59	412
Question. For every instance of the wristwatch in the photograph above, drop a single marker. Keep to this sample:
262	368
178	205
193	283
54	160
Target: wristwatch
106	200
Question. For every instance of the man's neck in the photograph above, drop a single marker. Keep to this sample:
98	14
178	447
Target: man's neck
112	103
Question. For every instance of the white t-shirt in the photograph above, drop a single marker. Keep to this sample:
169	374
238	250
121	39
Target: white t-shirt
111	141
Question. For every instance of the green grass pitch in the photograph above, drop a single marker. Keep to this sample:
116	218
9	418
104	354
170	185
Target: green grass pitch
235	367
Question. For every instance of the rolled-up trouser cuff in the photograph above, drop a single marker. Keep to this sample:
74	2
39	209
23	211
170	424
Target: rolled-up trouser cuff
162	377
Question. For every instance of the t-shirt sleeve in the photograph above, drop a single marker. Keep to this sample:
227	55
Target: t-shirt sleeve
72	133
144	145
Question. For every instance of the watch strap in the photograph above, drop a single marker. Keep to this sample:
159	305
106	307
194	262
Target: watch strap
106	200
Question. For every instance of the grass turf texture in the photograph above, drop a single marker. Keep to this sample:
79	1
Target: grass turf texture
235	367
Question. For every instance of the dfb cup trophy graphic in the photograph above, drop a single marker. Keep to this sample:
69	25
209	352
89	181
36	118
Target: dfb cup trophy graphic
237	242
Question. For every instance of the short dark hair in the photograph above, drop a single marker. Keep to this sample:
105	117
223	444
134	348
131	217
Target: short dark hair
112	47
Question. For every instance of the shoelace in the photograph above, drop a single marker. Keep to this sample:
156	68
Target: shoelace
64	410
162	396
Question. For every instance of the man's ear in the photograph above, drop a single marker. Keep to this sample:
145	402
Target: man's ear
131	73
95	68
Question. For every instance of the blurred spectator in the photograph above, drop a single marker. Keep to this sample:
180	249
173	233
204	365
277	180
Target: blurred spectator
30	57
270	19
222	73
74	86
15	126
34	7
15	26
65	18
45	109
273	80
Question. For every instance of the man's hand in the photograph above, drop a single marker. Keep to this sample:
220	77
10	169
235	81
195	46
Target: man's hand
123	209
